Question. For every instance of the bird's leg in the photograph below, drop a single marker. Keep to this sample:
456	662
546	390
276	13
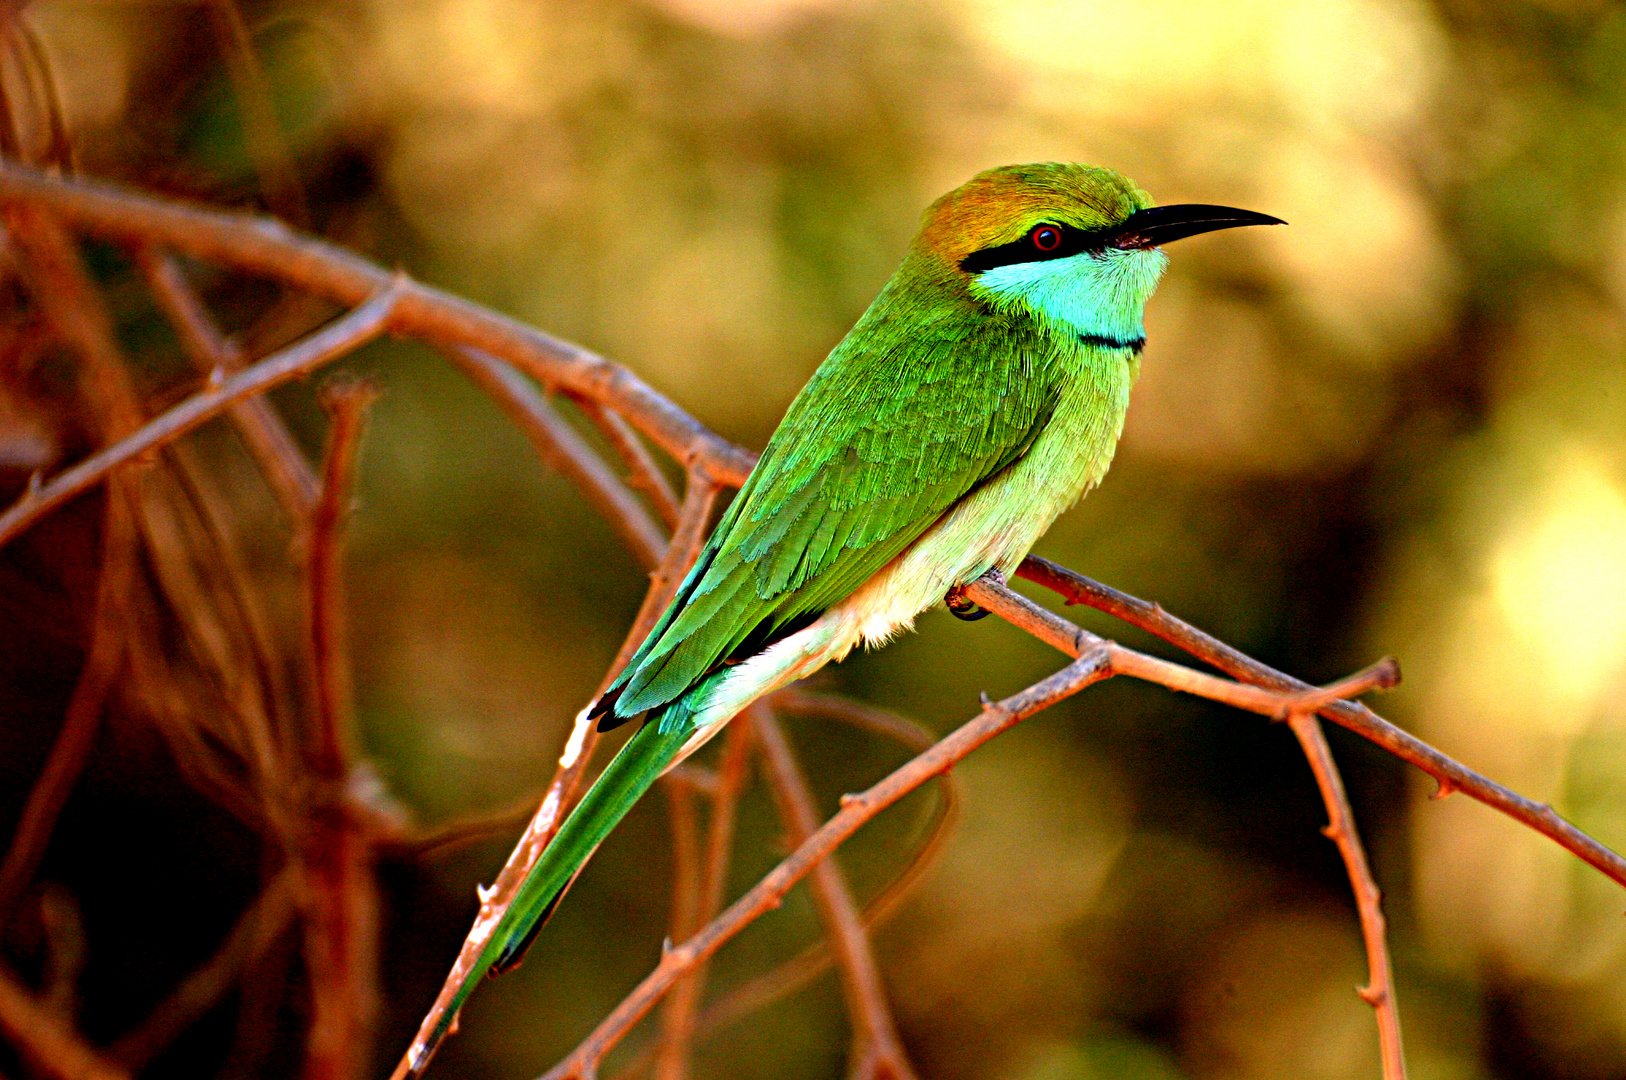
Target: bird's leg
961	608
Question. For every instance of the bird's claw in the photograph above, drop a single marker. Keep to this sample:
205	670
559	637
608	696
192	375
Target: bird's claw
962	608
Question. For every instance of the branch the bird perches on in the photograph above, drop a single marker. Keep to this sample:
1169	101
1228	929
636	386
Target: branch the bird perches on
664	532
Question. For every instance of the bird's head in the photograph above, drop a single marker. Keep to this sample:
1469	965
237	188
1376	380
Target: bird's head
1074	246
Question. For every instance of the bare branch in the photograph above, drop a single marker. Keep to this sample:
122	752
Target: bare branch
698	502
45	1042
341	896
268	247
1074	640
1296	706
326	345
346	402
1451	775
1341	830
267	437
645	474
582	1064
103	661
678	1019
813	961
877	1050
558	444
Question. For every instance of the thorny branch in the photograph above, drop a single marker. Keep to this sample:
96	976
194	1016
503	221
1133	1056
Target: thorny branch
268	439
329	343
340	894
1341	830
683	1004
583	1062
267	247
700	498
877	1051
1450	775
45	1042
490	348
1298	709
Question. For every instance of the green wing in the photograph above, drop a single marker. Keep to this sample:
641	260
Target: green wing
904	418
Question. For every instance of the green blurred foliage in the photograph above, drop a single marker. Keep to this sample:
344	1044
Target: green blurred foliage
1397	426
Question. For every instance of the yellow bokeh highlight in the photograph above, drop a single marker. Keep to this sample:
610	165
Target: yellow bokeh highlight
1559	580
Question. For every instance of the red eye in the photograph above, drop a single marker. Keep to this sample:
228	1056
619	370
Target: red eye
1047	238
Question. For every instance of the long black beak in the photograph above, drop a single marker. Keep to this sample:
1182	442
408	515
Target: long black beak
1158	225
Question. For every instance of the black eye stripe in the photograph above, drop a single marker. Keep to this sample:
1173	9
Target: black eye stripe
1025	249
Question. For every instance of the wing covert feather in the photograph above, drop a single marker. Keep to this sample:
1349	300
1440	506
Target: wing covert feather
897	425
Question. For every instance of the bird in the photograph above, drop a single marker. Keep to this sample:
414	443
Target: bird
981	394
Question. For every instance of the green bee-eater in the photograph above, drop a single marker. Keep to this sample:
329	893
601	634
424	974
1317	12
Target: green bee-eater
981	394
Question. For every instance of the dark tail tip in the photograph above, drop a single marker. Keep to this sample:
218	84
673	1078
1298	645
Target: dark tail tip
514	954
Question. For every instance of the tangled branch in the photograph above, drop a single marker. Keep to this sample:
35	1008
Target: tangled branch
664	532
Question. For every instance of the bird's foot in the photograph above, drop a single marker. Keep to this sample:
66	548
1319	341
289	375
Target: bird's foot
962	608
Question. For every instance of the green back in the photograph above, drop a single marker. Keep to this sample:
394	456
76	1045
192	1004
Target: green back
929	395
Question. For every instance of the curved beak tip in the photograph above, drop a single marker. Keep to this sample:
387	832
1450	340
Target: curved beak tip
1158	225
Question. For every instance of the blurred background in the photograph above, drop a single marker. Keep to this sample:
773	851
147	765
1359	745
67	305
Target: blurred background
1396	426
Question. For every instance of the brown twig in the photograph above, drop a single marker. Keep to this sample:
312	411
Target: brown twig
261	924
46	1043
1074	640
877	1051
682	1004
341	901
643	473
813	961
80	319
558	444
686	857
1341	830
66	294
103	660
699	499
324	346
582	1063
889	725
35	65
440	839
266	436
1450	775
1296	705
270	248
